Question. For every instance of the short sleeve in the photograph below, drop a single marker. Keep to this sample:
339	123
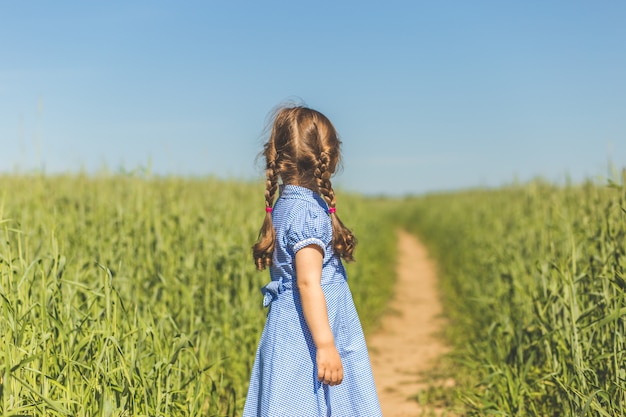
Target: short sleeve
312	228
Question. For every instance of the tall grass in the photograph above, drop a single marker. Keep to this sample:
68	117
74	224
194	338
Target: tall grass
122	295
534	280
126	296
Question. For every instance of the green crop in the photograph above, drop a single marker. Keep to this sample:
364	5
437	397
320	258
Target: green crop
534	281
130	296
127	296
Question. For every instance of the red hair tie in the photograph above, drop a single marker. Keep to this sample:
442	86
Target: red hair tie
332	210
268	209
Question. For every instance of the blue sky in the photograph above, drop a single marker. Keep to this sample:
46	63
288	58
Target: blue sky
426	96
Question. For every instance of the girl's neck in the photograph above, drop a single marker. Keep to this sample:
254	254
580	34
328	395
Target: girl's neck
311	185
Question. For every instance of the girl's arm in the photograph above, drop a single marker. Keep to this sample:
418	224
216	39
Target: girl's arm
308	278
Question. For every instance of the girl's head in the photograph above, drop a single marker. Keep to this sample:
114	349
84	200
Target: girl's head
303	149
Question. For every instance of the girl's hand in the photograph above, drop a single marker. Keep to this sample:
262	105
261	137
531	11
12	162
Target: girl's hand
329	366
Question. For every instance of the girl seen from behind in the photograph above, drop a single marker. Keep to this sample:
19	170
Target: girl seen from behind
312	359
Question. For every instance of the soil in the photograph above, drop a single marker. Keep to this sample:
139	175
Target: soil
407	345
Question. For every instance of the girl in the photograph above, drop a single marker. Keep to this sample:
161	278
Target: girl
312	359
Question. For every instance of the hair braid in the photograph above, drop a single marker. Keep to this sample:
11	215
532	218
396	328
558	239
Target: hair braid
263	249
343	241
322	177
271	183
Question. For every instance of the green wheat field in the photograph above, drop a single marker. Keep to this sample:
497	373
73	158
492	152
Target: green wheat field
134	295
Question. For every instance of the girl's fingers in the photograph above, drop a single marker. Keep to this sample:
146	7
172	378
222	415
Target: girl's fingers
323	375
328	377
335	378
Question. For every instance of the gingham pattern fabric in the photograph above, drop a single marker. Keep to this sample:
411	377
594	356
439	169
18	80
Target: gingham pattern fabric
284	376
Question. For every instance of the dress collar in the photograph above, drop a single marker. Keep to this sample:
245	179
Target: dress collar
297	191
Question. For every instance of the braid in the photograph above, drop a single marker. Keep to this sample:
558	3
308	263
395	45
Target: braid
322	177
344	241
263	249
271	183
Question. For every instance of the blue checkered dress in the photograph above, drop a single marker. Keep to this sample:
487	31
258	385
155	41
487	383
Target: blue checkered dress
284	376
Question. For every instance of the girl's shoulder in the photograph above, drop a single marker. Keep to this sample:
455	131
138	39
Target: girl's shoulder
301	221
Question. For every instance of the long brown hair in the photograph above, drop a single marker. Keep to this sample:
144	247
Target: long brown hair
303	149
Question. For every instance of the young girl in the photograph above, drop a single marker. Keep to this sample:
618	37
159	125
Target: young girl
312	360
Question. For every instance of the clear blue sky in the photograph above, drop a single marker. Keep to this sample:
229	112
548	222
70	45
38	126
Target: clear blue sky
426	96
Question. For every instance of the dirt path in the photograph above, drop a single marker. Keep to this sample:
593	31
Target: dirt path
406	345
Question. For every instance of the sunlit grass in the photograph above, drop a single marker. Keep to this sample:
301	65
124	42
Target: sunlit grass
534	281
131	296
123	295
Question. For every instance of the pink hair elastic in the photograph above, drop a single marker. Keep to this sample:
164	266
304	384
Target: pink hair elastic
332	210
268	209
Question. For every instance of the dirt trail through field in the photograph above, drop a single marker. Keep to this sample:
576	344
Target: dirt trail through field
407	345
